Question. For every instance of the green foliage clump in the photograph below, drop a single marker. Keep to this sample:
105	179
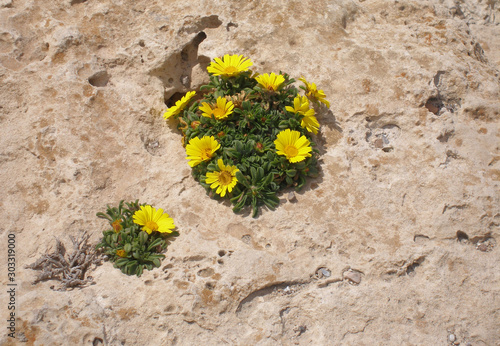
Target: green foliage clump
131	249
247	137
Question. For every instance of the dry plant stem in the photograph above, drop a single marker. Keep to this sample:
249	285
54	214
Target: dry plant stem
70	270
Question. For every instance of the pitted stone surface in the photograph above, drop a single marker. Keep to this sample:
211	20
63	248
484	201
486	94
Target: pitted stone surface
407	199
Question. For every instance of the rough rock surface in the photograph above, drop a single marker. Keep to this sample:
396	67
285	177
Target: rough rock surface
396	243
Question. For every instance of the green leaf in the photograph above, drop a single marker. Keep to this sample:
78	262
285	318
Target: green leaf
242	179
121	262
270	203
139	270
253	173
104	216
154	244
143	237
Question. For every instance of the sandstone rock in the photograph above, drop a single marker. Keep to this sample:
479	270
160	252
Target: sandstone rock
409	149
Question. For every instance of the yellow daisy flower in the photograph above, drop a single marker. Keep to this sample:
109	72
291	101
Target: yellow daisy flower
153	220
179	105
292	145
224	180
199	150
301	106
220	111
270	82
310	123
313	92
229	66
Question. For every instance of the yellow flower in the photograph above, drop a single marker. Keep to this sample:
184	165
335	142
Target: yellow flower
153	220
292	145
221	111
224	180
179	105
229	66
117	226
270	82
313	92
310	123
121	253
301	106
199	150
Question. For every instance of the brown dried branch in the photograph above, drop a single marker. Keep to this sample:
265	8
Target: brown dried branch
70	269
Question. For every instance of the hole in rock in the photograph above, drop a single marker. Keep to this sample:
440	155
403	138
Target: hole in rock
434	105
410	269
99	79
174	98
199	38
97	341
462	237
230	25
211	22
443	138
420	238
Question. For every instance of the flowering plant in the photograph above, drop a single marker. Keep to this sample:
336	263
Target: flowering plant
137	238
248	136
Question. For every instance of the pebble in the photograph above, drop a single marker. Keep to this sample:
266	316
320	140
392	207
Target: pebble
291	197
325	272
451	338
353	276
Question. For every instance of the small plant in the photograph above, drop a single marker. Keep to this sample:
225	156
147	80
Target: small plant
249	136
71	269
131	247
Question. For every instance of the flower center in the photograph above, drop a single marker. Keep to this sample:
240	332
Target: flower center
230	70
225	178
152	225
291	151
218	113
206	154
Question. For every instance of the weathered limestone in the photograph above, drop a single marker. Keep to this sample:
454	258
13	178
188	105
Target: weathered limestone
396	243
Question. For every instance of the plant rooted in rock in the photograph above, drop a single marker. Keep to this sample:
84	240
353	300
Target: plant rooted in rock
250	136
70	269
138	236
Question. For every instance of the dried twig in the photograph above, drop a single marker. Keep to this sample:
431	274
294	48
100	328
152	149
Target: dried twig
70	269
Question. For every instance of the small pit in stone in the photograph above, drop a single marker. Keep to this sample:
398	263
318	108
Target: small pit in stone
173	99
434	105
206	272
99	79
462	237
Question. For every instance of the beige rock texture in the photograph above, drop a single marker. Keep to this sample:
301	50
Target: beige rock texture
396	243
